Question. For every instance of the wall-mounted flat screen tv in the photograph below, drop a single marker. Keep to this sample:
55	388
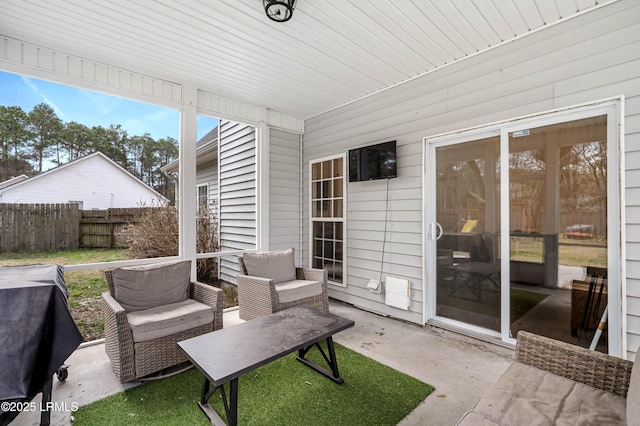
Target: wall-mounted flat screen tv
373	162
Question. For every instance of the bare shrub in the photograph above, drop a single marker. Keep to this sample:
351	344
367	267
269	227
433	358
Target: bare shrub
155	234
207	242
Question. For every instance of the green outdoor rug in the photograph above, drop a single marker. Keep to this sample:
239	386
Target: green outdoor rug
284	392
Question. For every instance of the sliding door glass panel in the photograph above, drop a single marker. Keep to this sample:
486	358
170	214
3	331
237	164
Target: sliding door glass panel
558	235
468	210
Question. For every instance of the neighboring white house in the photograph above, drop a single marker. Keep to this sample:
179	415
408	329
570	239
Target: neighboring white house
93	182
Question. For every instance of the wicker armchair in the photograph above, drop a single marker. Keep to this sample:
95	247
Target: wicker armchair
150	308
602	371
553	382
270	282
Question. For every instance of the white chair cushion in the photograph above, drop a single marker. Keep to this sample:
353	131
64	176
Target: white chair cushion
278	266
166	320
146	286
528	395
290	291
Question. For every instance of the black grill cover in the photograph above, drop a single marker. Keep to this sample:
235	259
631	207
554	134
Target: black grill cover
37	332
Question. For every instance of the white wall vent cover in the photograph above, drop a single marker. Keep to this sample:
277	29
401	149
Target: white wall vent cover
397	292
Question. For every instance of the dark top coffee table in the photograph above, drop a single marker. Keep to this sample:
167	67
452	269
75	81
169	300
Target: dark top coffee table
224	355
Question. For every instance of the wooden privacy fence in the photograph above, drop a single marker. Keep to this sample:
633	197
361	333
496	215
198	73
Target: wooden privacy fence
39	227
100	228
52	227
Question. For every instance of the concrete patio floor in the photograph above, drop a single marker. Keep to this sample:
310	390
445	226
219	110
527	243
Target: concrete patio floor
459	367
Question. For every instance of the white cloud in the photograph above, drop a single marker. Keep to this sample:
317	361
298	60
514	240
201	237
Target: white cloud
104	104
31	85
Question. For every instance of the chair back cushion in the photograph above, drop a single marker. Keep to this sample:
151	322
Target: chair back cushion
278	266
147	286
633	395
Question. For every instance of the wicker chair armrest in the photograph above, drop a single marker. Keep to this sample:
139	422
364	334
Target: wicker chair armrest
113	307
255	281
118	338
592	368
256	296
312	274
211	296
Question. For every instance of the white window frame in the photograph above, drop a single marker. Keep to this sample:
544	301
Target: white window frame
199	211
342	219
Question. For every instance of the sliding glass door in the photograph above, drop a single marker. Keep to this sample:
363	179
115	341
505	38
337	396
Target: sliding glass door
468	213
558	229
519	227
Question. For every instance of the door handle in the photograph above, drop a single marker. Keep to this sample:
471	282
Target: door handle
436	231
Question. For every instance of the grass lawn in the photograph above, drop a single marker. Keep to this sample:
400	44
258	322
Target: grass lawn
86	287
570	252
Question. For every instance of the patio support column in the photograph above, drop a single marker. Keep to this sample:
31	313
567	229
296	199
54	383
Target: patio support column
187	176
262	172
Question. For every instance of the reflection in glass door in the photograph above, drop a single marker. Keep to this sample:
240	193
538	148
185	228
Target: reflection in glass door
556	221
468	211
558	229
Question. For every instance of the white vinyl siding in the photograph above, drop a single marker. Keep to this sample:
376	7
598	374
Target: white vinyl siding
591	57
284	191
237	206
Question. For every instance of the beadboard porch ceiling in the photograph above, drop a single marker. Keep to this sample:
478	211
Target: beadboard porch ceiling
330	53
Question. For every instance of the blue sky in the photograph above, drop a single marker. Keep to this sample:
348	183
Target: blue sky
93	108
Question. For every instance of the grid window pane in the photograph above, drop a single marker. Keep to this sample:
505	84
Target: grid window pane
328	249
337	167
316	209
337	187
337	208
326	189
327	192
326	169
328	231
337	271
326	208
316	174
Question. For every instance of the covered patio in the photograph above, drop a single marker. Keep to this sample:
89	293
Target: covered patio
343	75
446	360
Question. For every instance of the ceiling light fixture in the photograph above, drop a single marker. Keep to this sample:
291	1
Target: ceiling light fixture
279	10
